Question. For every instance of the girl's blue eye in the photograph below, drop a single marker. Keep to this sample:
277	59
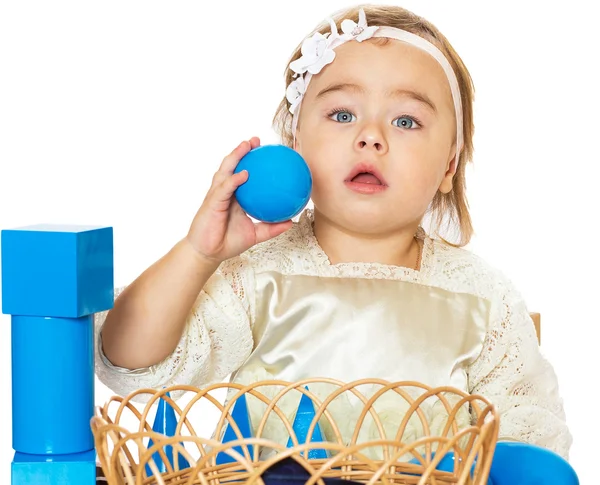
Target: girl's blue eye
405	122
343	116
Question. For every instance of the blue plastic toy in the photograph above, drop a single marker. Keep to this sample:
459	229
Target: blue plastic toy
304	418
522	464
165	423
69	469
54	278
241	417
279	183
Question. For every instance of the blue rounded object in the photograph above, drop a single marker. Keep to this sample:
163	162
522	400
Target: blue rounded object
522	463
279	183
517	463
52	384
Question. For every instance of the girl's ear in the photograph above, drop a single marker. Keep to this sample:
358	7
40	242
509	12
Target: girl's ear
451	167
296	143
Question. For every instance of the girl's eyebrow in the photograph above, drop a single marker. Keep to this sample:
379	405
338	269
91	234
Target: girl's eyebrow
394	93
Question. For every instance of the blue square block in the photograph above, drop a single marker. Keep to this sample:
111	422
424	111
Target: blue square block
57	270
75	469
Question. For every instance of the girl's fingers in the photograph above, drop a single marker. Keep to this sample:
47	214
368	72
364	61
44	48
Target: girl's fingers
230	161
254	142
228	186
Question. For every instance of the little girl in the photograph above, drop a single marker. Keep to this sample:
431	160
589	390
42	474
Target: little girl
380	106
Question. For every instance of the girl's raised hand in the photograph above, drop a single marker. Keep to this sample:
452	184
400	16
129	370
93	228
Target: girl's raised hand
221	229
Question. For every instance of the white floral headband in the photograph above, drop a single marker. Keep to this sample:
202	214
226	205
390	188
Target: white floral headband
318	51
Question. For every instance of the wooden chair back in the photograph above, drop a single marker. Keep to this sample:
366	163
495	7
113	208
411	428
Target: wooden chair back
536	317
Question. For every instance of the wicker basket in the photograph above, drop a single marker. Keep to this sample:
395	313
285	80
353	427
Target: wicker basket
125	458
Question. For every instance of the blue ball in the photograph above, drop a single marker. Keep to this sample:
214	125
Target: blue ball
516	462
279	183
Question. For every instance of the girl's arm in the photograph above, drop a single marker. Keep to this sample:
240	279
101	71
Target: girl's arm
149	316
514	375
215	340
180	321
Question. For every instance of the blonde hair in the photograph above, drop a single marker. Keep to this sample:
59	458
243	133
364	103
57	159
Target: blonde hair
450	208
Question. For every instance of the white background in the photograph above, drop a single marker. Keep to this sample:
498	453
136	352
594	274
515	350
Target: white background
118	113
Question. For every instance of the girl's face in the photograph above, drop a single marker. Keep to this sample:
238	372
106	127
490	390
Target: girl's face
385	114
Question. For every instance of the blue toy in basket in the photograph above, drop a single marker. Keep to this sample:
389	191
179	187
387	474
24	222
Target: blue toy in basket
522	464
241	417
278	186
165	423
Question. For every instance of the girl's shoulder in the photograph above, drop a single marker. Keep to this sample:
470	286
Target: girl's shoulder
461	270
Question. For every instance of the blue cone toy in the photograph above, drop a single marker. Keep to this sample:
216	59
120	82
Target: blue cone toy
165	423
241	417
304	417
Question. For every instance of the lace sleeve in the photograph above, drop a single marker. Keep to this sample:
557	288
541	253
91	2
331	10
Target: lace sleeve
216	340
514	375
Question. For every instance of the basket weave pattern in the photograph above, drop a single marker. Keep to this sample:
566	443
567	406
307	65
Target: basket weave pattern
125	457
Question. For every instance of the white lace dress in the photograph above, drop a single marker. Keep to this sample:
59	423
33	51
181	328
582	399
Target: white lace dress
282	310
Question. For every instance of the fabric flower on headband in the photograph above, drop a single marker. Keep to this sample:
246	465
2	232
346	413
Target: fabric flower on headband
316	54
295	91
317	51
359	31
